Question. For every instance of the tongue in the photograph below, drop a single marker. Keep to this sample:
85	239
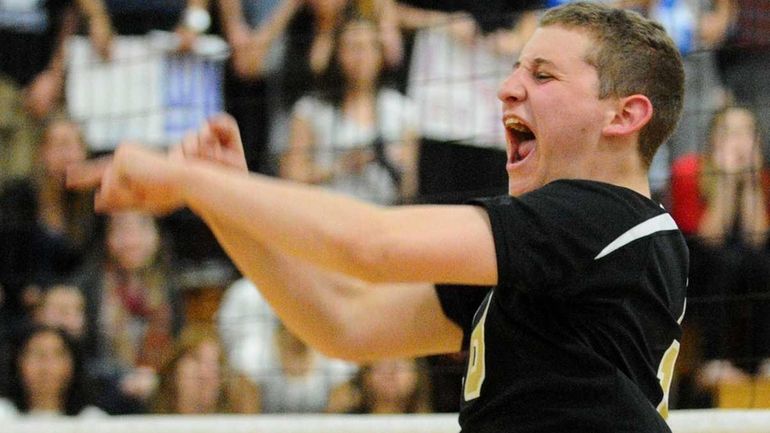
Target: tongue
525	148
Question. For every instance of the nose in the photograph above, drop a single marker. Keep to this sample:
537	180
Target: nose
512	89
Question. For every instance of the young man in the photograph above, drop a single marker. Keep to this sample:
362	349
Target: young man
567	293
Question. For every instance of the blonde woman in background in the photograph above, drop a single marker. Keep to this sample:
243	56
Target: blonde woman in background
354	135
197	379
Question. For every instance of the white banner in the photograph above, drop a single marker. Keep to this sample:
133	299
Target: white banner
147	92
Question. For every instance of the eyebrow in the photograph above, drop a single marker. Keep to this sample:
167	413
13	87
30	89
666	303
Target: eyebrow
538	61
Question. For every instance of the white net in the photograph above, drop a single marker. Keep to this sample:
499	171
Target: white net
683	421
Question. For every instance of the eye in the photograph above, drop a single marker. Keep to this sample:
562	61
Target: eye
542	76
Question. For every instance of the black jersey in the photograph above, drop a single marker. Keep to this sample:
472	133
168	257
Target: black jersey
581	332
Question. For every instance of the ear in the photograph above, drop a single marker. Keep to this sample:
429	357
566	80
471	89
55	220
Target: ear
633	113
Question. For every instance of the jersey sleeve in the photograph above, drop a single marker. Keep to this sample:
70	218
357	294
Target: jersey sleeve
544	238
460	303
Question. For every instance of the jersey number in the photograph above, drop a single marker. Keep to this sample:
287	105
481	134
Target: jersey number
476	373
665	374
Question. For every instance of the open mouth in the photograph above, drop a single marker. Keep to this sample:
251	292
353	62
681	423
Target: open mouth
521	138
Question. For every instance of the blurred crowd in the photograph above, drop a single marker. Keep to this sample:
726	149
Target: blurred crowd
389	101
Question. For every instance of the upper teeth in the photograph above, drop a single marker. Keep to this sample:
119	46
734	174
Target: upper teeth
516	124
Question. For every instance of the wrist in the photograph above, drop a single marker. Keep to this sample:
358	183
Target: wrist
186	174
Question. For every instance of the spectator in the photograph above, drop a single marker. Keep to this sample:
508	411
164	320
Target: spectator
259	33
65	216
355	136
704	93
32	61
255	32
707	185
47	376
134	308
198	380
307	49
311	40
740	29
720	201
388	386
45	228
63	306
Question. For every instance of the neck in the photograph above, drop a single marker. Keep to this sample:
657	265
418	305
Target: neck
637	181
621	165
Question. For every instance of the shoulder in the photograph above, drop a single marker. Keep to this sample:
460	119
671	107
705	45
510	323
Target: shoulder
579	198
572	219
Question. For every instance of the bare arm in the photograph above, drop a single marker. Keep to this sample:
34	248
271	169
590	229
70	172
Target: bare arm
720	210
413	18
341	316
390	32
754	210
447	244
409	165
99	26
250	48
45	91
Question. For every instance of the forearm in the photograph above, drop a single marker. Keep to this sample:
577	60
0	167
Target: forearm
720	211
410	170
269	30
754	212
310	304
301	221
340	316
252	46
413	18
93	10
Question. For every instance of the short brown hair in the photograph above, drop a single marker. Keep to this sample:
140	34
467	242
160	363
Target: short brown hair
633	56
